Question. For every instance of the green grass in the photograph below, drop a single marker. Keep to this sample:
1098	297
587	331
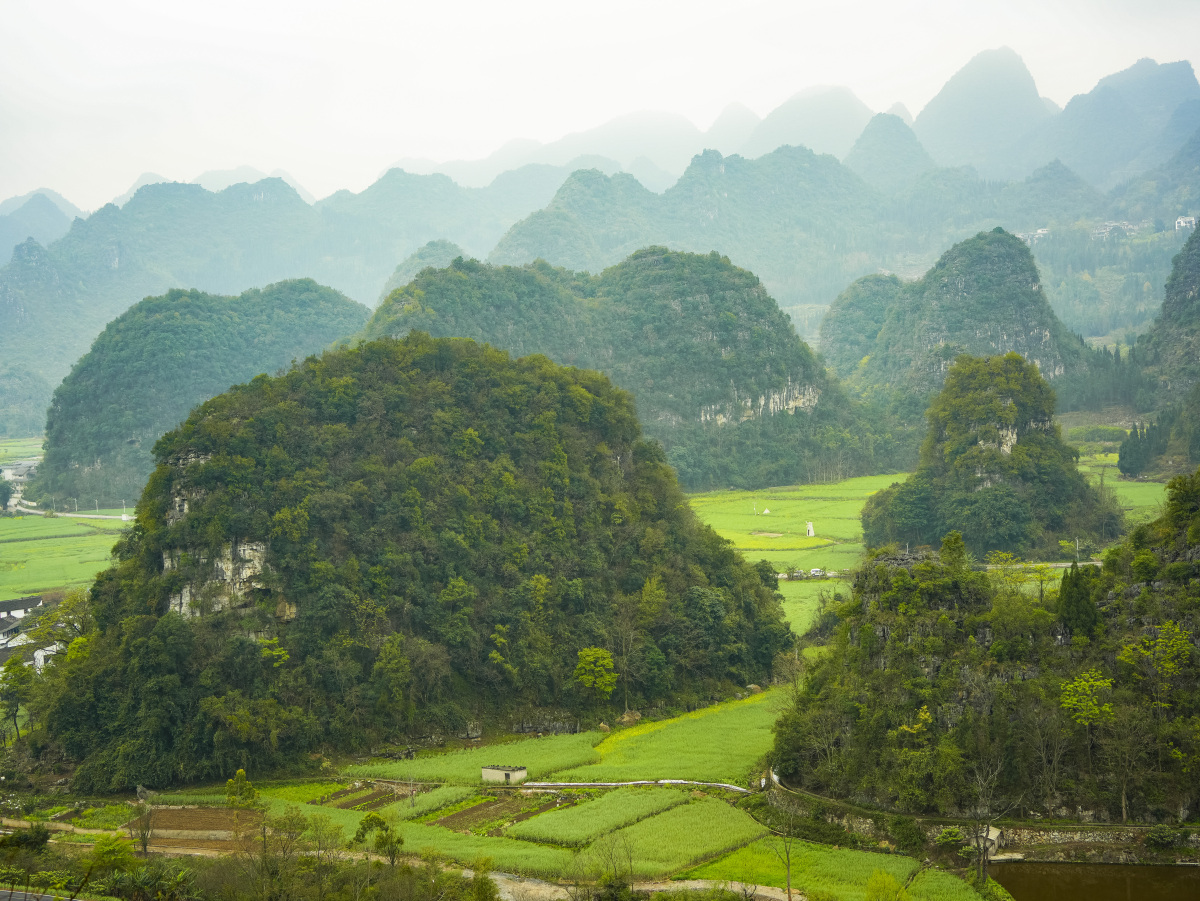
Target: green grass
14	449
1141	501
684	835
112	816
192	799
508	855
586	822
300	792
39	553
843	873
428	802
834	510
716	744
800	599
938	885
541	756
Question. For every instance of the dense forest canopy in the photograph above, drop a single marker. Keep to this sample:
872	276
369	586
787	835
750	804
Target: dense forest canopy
994	468
159	359
719	374
961	692
390	540
1171	348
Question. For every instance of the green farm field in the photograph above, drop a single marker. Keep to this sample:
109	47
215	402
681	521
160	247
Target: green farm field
780	535
843	873
722	743
39	553
14	449
585	822
541	756
1141	500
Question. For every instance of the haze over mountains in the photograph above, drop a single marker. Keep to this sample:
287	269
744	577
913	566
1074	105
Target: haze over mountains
770	193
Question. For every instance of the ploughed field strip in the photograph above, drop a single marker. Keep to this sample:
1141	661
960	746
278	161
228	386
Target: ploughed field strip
490	817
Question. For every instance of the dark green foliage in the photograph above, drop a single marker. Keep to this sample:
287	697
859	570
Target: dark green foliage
1075	605
850	327
26	396
6	493
993	467
159	359
894	342
719	375
442	530
1170	350
961	693
1170	444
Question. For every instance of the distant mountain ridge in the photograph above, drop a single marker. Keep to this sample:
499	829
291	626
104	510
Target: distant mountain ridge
54	300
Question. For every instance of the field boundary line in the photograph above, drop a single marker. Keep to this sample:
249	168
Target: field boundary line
736	788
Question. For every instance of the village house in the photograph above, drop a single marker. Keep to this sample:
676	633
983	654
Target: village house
504	774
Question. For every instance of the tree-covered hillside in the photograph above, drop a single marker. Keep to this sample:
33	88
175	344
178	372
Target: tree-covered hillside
1170	350
394	540
159	359
968	693
983	297
718	372
994	468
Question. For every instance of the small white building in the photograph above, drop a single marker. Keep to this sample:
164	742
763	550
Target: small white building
1185	222
812	533
508	774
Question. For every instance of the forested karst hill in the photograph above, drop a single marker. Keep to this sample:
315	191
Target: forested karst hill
994	468
1170	350
984	297
953	691
159	359
391	540
719	374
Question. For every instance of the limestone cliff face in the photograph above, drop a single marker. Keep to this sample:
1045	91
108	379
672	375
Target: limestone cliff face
790	399
207	582
219	582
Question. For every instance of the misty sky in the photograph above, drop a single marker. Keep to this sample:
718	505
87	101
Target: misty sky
93	94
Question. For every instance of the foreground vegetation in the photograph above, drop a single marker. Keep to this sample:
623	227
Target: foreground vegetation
982	699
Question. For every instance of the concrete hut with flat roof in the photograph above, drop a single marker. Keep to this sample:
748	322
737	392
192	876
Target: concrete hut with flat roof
504	774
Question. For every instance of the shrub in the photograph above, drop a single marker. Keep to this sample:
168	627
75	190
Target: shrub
1162	837
906	834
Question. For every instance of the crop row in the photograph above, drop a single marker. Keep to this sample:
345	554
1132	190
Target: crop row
586	822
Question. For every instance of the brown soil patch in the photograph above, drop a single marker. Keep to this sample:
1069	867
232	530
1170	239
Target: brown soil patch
370	798
505	810
205	819
340	793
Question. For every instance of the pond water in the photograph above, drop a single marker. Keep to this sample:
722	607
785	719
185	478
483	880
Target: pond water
1096	882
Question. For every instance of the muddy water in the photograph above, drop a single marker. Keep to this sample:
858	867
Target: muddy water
1096	882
